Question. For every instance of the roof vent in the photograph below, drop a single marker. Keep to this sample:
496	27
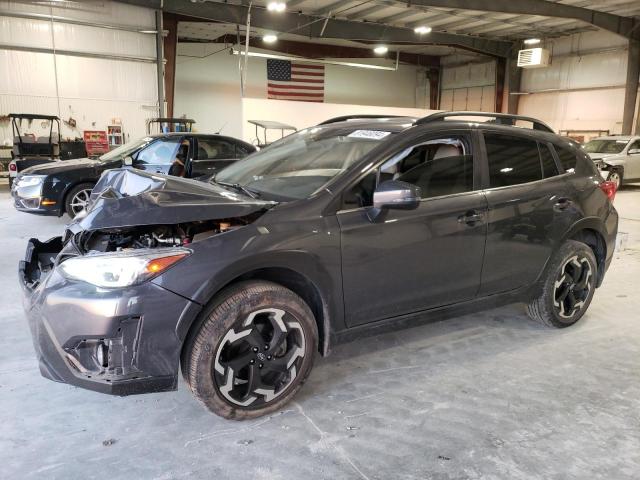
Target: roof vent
534	58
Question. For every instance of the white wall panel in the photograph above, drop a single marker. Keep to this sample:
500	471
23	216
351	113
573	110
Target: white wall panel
469	87
91	90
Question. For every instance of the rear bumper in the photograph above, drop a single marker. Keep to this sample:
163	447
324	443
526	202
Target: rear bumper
119	341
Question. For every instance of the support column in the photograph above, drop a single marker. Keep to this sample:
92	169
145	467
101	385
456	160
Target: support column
501	74
160	63
170	23
514	75
433	76
631	89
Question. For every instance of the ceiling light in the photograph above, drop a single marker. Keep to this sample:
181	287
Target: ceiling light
380	50
532	41
270	38
422	30
277	7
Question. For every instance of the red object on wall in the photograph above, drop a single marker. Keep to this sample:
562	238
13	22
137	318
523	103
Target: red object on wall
96	142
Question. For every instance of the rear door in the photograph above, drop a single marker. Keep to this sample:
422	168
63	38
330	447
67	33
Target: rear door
530	206
213	154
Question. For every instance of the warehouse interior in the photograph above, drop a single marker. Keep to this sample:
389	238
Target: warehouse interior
487	394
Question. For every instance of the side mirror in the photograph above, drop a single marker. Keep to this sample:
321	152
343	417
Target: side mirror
633	151
128	161
396	194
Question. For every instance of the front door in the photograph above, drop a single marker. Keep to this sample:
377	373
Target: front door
409	261
632	167
163	155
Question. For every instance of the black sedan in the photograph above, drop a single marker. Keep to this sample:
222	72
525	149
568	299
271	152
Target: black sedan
59	187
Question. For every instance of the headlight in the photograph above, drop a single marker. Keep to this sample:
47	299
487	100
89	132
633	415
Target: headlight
113	270
30	186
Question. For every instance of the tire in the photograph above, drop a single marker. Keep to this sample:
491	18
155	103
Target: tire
616	176
78	194
10	182
253	351
564	299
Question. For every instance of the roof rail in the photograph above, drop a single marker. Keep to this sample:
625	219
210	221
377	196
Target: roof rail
500	119
344	118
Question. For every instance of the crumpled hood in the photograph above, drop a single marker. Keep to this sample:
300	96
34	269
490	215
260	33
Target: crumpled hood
127	197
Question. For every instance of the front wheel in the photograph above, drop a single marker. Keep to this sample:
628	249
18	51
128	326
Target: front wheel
616	177
77	199
253	352
568	287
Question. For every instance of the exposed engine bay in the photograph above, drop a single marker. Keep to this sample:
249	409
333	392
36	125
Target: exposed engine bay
154	236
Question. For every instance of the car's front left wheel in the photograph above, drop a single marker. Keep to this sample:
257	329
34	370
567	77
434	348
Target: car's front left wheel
253	350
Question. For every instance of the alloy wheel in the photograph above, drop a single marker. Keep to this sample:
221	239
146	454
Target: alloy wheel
572	287
615	178
260	358
80	201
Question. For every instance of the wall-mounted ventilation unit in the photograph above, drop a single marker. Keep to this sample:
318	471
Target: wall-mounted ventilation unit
533	58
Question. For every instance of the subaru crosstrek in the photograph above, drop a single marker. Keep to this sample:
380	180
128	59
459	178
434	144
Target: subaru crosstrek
353	225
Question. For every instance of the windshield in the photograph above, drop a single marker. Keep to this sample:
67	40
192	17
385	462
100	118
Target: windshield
605	146
301	163
126	149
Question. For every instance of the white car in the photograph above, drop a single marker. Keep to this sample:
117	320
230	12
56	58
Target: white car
617	157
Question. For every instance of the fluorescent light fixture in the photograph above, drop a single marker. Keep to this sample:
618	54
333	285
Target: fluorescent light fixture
422	30
324	62
380	50
276	7
270	38
532	41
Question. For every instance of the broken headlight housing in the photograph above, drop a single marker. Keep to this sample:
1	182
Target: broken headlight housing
121	269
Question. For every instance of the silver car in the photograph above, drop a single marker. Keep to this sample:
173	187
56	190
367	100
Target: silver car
617	157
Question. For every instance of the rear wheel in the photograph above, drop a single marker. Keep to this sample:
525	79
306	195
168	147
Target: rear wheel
568	287
253	352
77	199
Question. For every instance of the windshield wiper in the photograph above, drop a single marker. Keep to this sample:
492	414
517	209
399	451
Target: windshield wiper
237	186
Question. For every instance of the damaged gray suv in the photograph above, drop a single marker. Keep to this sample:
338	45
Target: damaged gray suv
352	226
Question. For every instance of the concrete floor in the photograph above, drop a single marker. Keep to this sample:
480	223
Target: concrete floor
491	395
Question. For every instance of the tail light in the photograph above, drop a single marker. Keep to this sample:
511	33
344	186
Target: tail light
609	189
13	167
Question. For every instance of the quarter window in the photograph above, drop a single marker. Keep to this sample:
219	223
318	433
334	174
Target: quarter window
549	168
567	158
512	160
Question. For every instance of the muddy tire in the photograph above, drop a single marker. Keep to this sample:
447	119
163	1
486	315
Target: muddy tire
568	287
77	199
253	350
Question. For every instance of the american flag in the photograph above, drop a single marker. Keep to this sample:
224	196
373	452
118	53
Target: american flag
295	81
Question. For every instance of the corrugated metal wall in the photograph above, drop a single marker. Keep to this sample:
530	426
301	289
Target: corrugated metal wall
93	91
469	87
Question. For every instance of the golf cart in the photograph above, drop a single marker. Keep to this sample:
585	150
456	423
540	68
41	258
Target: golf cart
29	149
269	125
169	125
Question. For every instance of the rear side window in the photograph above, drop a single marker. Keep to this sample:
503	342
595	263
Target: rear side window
549	168
567	158
512	160
215	149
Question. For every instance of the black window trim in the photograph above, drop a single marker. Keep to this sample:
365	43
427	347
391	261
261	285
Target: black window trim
219	139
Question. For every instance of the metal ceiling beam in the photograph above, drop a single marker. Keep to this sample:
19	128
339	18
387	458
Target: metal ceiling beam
362	14
311	26
399	16
624	26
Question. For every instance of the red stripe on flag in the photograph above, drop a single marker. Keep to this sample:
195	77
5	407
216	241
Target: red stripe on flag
311	74
306	65
292	86
306	80
295	94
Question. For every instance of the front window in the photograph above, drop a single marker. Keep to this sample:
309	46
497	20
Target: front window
301	163
605	146
125	150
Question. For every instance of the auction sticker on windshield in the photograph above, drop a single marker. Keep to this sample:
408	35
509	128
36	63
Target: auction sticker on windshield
371	134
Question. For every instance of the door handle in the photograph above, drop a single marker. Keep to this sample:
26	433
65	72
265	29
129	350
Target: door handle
470	218
562	204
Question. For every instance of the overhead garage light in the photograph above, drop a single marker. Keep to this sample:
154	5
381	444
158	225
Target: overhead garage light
380	50
422	30
532	41
270	38
277	7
